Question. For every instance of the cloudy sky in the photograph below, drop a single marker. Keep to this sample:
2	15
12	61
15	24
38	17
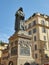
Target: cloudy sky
8	9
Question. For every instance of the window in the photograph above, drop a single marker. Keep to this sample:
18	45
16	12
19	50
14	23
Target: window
12	44
42	22
10	63
44	37
35	47
16	42
29	26
34	30
46	56
34	38
36	56
44	29
30	32
34	23
13	51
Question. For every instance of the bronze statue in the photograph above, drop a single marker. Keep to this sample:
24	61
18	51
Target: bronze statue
19	17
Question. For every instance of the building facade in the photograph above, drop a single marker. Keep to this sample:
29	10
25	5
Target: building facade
2	47
38	26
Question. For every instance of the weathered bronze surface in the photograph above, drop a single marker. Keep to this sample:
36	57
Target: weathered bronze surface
19	16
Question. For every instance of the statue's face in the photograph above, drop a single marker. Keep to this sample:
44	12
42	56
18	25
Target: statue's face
20	13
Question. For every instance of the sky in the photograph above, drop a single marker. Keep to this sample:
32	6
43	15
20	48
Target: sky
8	9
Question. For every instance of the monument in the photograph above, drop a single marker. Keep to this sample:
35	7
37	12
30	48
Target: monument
19	19
20	42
